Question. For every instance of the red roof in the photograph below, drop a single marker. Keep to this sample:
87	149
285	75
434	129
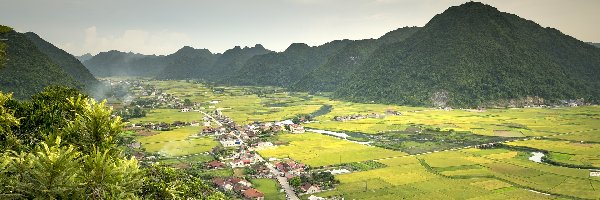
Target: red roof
252	193
219	181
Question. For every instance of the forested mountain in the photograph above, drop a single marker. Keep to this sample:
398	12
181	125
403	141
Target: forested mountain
84	57
473	54
65	60
188	63
27	70
287	67
595	44
116	63
343	63
233	60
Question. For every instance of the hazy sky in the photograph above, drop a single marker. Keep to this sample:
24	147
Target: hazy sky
163	26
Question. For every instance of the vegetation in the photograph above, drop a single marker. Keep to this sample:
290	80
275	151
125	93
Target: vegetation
63	145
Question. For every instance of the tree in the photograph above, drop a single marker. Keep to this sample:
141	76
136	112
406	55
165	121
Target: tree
169	183
187	102
295	181
94	128
7	120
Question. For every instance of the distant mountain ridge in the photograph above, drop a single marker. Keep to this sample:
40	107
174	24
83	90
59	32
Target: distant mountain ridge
469	55
84	57
116	63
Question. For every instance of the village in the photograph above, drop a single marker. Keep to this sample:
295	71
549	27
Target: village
237	149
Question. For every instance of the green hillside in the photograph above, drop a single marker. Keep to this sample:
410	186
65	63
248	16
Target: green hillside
474	54
343	63
27	70
233	60
65	60
188	63
287	67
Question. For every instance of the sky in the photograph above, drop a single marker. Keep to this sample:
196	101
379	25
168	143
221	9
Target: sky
162	27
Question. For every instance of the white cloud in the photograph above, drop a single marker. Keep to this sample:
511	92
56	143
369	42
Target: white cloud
138	41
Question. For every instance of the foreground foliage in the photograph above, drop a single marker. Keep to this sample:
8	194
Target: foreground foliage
63	145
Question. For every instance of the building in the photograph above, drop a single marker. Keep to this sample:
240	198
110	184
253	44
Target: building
185	110
231	142
215	164
253	194
310	189
295	128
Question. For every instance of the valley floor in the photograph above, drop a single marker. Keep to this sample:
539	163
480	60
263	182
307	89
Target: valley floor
388	151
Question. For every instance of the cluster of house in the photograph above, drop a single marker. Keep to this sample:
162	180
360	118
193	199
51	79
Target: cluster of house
388	112
240	186
289	168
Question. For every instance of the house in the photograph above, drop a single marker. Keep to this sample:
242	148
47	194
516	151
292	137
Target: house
310	189
240	181
295	128
240	163
215	164
223	184
253	194
230	142
185	110
264	144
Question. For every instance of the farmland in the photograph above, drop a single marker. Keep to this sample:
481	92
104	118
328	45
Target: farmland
421	152
319	150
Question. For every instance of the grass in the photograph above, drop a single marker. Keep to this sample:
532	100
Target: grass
319	150
269	187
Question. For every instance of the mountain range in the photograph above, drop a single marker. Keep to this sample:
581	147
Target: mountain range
469	55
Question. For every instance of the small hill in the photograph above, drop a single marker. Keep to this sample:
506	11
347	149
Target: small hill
285	68
65	60
189	63
473	55
27	70
116	63
84	57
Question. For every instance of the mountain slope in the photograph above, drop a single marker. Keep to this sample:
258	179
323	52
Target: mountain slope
65	60
287	67
473	54
189	63
343	63
28	70
233	60
116	63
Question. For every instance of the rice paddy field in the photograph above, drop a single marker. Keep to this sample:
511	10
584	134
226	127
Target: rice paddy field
467	174
319	150
569	137
177	142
